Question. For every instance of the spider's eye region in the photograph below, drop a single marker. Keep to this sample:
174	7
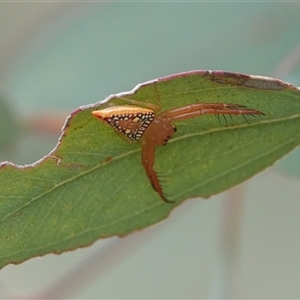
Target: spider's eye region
132	125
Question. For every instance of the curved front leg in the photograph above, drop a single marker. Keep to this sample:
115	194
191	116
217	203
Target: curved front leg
148	155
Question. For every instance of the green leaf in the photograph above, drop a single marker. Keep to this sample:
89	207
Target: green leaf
93	185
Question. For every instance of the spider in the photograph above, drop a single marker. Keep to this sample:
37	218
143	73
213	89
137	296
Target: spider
153	128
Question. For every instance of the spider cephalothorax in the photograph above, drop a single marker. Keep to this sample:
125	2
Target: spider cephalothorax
151	128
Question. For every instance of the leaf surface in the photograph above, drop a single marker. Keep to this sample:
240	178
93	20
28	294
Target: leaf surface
93	185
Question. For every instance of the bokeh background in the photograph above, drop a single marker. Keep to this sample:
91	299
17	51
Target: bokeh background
57	56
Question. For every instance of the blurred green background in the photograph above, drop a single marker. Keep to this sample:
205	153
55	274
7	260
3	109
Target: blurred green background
57	56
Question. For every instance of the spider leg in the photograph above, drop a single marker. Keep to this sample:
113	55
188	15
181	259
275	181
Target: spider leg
198	109
148	154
